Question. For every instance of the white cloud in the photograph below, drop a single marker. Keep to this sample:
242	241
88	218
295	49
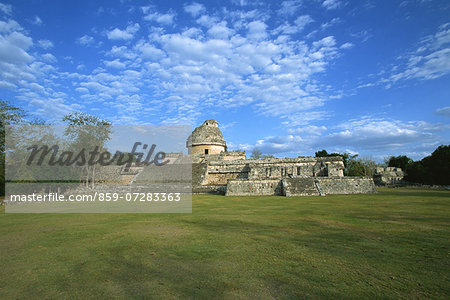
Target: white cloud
330	23
220	31
45	44
49	58
382	134
257	30
302	21
346	45
127	34
37	21
116	64
13	48
234	59
289	8
165	19
194	8
9	26
331	4
431	60
445	112
85	40
207	21
6	8
377	136
149	51
310	129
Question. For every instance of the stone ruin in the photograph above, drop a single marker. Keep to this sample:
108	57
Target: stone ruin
390	176
214	170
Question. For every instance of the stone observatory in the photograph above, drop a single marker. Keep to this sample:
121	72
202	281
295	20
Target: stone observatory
206	139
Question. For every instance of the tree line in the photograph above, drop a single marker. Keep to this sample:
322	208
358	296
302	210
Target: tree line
82	131
432	170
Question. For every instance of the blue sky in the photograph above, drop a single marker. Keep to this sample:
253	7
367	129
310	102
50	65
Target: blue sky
287	77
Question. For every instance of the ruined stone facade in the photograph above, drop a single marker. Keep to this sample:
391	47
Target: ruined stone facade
388	176
206	139
230	173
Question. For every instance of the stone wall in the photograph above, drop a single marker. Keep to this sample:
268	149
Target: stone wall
327	186
219	174
347	185
253	187
212	149
388	176
299	187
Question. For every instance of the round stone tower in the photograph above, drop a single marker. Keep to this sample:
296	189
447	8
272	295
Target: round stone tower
206	139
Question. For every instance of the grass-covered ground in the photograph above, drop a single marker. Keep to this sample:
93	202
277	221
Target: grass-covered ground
394	244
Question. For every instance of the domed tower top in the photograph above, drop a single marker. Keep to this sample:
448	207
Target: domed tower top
206	139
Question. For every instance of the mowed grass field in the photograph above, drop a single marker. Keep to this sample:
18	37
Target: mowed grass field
394	244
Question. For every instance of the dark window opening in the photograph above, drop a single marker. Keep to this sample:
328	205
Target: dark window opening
206	151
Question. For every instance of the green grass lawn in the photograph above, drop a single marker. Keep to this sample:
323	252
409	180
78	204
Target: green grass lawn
394	244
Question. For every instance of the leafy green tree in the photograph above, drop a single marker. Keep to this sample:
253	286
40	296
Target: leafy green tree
439	165
433	169
9	114
416	172
256	154
321	153
360	166
401	161
87	132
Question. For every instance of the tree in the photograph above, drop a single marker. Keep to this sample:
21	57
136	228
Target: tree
360	166
89	133
9	115
401	161
439	165
433	169
256	154
321	153
324	153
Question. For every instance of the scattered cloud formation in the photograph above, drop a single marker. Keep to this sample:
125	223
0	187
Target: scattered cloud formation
289	8
6	8
85	40
281	62
331	4
367	133
194	8
161	18
126	34
37	21
429	61
45	44
445	112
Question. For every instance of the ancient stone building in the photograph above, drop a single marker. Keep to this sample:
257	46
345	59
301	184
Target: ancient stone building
206	139
388	176
215	170
231	173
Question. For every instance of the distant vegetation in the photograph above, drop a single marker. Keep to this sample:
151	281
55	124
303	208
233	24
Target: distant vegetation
354	165
83	131
433	169
257	154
